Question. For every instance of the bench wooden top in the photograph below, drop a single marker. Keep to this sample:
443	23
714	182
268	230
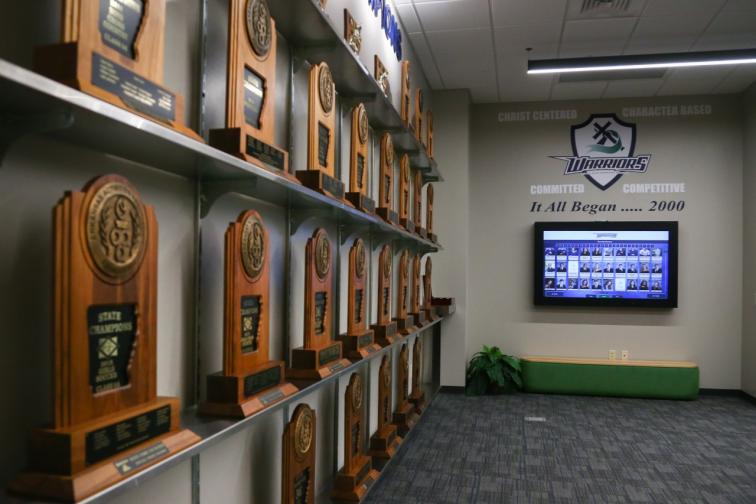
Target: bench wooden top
607	362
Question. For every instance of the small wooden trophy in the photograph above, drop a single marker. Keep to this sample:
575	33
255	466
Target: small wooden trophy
429	135
113	50
415	308
429	214
386	180
404	194
321	135
251	88
382	77
358	162
298	477
358	341
320	356
352	32
417	202
417	397
109	422
250	381
357	476
430	311
385	329
405	103
405	415
385	442
418	123
404	321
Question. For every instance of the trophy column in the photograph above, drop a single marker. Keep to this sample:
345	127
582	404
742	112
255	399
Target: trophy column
405	322
385	442
358	341
405	415
385	329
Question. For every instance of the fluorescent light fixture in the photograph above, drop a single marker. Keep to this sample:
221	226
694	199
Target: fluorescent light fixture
643	61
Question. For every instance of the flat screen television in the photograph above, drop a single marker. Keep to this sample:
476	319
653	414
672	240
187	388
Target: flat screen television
606	264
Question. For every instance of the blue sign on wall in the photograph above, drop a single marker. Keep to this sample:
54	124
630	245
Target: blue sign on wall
389	25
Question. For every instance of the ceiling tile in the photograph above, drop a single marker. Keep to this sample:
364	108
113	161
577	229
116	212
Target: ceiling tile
423	53
667	31
738	80
409	18
485	93
686	81
729	30
517	38
453	15
518	12
465	57
519	87
574	11
595	37
577	90
682	7
632	88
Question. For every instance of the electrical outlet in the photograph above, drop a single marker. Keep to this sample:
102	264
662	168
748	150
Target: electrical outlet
612	354
625	354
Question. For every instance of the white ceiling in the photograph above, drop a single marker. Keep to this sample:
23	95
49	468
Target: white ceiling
481	45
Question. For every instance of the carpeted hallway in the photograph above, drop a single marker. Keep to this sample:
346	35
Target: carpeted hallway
588	449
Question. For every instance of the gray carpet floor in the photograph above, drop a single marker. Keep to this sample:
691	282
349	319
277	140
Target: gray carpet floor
588	449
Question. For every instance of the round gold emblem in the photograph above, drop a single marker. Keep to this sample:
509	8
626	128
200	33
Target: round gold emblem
325	81
362	123
359	259
386	262
322	254
389	151
253	246
116	230
303	431
259	26
356	383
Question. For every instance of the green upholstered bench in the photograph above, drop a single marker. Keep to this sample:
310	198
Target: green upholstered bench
604	377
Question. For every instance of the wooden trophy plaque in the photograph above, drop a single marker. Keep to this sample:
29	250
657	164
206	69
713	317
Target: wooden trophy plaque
250	88
429	214
320	356
417	397
357	476
429	134
405	415
358	162
358	341
405	103
415	308
418	120
404	194
109	422
386	180
250	381
352	32
298	479
385	442
404	321
385	329
321	135
430	312
417	204
382	77
113	50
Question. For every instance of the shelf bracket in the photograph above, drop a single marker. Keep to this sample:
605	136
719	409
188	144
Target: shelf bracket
14	127
380	238
349	230
301	215
214	189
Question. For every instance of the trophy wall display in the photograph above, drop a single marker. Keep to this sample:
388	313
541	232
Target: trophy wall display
429	134
298	477
417	397
358	162
418	122
320	356
352	32
250	381
113	50
415	308
405	415
404	321
250	88
321	135
385	442
405	103
385	329
108	422
357	476
417	202
382	77
428	291
429	214
386	182
358	341
404	194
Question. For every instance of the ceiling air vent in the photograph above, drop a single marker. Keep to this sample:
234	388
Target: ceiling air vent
604	8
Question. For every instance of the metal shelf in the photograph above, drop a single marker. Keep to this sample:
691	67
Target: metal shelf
31	103
316	38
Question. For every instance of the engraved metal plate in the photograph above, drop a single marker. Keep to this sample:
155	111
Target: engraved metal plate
301	486
330	354
325	88
360	171
268	154
141	458
120	21
115	438
253	247
258	382
251	309
112	332
386	301
259	26
356	438
365	340
324	139
254	97
272	397
321	305
358	305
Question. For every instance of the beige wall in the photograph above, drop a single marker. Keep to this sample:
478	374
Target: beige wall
749	242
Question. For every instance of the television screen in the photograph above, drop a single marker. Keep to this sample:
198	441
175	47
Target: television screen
606	263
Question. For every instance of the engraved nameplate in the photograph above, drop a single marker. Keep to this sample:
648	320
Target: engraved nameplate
365	340
119	24
254	95
324	139
356	438
363	472
115	438
112	329
321	305
301	485
360	170
141	458
272	397
333	186
386	301
358	305
255	383
268	154
250	323
329	354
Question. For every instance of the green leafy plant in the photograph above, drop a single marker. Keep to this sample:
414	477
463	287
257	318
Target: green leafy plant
491	371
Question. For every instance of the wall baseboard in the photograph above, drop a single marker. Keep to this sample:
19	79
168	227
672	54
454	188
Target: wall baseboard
728	393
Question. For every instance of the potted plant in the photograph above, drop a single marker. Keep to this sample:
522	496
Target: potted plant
491	371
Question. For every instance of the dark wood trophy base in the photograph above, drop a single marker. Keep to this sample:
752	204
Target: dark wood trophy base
58	458
433	237
383	445
417	399
385	334
314	364
430	314
444	306
236	142
61	62
405	325
420	231
388	215
408	225
241	396
322	182
361	202
419	318
405	419
352	486
359	346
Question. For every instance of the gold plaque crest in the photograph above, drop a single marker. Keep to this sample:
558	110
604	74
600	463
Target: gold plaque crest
352	32
356	383
259	28
303	432
362	123
359	266
325	84
253	247
389	151
116	230
387	267
322	255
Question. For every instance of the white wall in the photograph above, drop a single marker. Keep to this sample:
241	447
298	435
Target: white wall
749	242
